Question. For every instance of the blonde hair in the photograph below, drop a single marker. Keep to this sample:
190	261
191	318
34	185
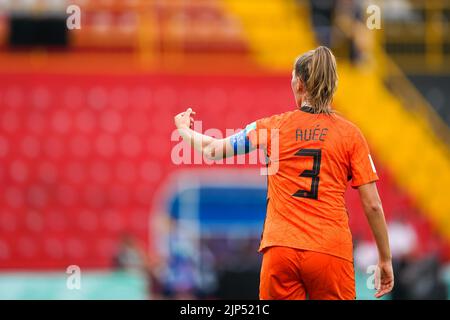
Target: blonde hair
317	70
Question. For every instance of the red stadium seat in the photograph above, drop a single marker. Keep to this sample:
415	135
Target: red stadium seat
83	159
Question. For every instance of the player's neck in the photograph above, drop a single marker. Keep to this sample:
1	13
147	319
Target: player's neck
306	107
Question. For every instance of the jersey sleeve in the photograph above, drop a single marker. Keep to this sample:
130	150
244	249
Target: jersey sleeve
264	130
361	164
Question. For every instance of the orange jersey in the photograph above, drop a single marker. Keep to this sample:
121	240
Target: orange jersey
316	156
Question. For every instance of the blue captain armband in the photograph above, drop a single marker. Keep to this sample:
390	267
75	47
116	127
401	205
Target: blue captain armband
240	141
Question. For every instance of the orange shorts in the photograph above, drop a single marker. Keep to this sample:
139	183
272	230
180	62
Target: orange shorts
293	274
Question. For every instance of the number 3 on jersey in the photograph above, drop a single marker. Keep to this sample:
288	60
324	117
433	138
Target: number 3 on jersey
313	174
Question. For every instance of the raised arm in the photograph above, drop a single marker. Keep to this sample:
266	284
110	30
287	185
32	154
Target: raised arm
375	216
212	148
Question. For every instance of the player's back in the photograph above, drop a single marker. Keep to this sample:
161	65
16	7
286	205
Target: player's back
316	156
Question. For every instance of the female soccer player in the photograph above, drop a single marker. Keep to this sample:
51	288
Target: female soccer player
306	242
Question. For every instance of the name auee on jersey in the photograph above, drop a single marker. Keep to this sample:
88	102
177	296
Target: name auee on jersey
315	133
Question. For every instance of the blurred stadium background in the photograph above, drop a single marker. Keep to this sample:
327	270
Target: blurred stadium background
86	176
